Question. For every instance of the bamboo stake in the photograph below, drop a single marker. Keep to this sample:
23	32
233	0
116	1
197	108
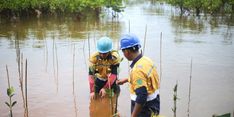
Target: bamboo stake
145	39
89	44
95	26
54	60
129	26
160	57
26	86
21	84
46	55
83	45
85	59
57	78
73	82
73	75
20	70
8	78
75	105
190	81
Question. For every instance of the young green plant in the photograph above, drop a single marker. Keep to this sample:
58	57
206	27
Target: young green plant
10	94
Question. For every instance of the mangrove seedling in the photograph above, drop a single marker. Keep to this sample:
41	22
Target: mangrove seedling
10	93
10	104
175	98
110	92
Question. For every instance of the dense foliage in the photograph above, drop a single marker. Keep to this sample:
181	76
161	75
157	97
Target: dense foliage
205	6
79	7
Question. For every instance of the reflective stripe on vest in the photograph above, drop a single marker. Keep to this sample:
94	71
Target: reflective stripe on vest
102	79
150	70
149	97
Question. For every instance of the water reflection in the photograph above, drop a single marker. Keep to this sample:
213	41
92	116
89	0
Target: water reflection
199	25
154	7
59	29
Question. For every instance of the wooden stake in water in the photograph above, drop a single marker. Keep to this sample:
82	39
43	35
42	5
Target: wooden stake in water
21	84
95	28
8	78
46	54
54	60
129	26
190	81
75	105
160	57
57	77
73	75
145	39
89	44
26	86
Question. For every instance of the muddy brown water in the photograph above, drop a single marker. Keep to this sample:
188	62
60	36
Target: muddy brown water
57	50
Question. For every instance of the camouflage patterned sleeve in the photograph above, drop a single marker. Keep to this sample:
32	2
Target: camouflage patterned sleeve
116	58
92	62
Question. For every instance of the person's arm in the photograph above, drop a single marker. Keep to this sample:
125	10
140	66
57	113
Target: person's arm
112	76
91	83
91	80
141	99
122	81
137	110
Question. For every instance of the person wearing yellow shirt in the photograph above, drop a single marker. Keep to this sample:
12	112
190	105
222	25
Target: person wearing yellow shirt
143	79
103	68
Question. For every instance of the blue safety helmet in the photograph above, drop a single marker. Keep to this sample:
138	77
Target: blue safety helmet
104	45
129	40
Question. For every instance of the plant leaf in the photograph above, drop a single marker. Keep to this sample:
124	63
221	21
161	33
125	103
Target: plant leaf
10	91
14	103
7	104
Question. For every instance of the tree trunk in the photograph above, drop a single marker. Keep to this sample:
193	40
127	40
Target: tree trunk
197	11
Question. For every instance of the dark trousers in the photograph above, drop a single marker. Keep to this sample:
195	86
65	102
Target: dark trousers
99	84
149	108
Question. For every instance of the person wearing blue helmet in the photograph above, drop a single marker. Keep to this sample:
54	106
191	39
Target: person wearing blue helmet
143	79
103	68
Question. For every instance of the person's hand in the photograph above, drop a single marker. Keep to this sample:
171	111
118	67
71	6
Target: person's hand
121	81
102	92
92	95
